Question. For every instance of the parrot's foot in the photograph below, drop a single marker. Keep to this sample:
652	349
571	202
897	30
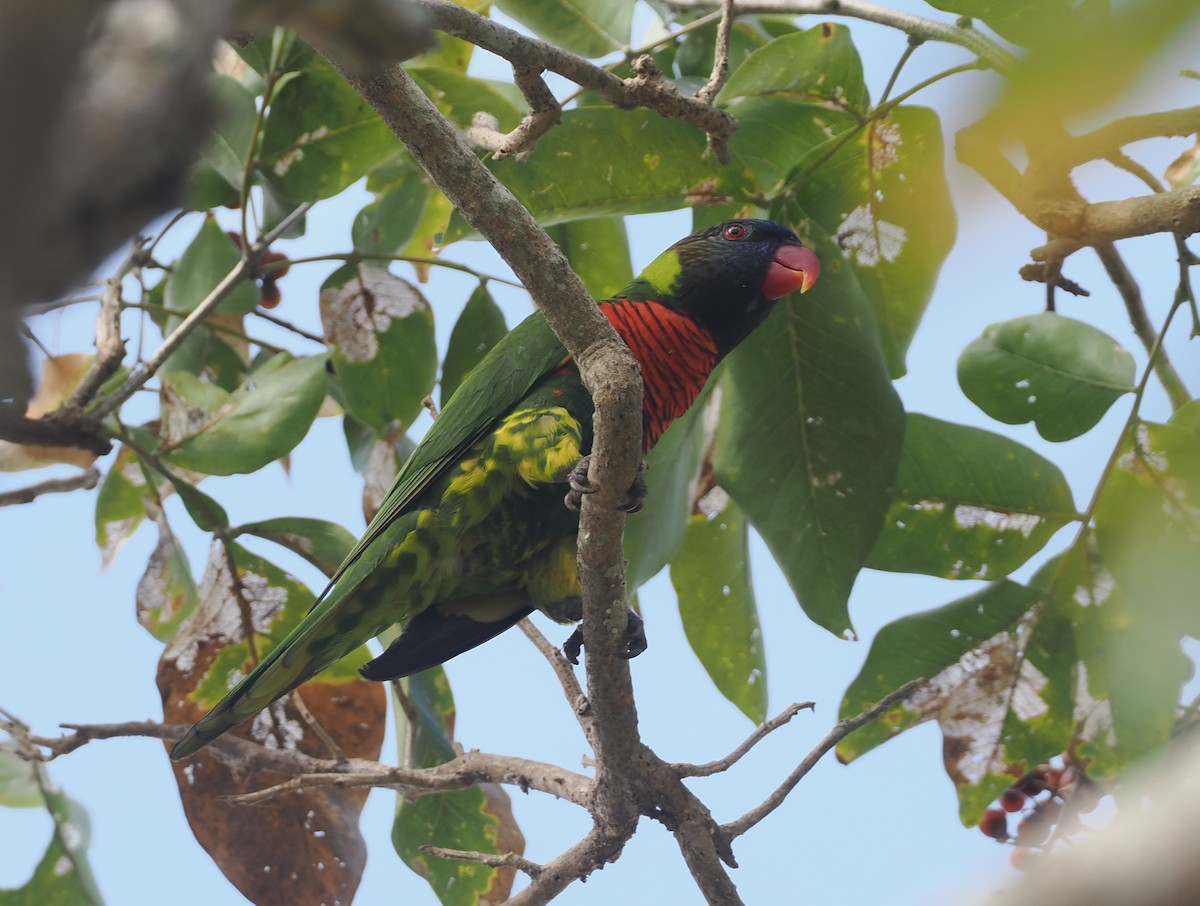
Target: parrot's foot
634	638
635	497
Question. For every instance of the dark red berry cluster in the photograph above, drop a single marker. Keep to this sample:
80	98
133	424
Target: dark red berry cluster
1045	804
271	267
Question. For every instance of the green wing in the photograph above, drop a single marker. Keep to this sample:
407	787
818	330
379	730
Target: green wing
522	357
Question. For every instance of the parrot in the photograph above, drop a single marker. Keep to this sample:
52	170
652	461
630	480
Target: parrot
476	531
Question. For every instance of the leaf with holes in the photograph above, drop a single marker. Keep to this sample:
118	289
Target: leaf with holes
478	818
711	575
63	875
380	332
881	192
969	504
1056	372
297	848
320	136
1000	684
809	439
166	593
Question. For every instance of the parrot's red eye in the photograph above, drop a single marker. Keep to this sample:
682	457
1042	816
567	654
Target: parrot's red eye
735	231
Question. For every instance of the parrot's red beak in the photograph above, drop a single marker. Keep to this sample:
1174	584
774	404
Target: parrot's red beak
793	267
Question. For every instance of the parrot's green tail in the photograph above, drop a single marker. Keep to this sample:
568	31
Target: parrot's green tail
309	648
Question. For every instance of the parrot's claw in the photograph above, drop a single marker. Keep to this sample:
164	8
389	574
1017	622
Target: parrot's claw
634	638
573	646
577	478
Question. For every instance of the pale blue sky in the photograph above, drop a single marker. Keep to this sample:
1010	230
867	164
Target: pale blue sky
883	830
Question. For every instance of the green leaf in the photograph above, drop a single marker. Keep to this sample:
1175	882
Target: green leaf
63	876
1148	522
119	505
775	133
1056	372
1026	22
380	333
969	504
18	783
166	593
478	818
459	96
598	250
208	515
809	438
673	469
602	161
821	62
692	56
386	225
255	425
881	193
591	28
323	544
205	263
216	177
320	136
984	688
1123	711
711	575
479	328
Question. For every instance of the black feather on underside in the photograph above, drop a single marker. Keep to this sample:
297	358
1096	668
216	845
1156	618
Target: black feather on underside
432	637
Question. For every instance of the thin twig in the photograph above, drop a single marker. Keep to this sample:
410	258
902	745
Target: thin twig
85	480
720	71
241	270
565	673
841	730
760	732
1139	318
960	33
336	752
110	348
492	860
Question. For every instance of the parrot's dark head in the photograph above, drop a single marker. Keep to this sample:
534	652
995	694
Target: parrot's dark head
728	277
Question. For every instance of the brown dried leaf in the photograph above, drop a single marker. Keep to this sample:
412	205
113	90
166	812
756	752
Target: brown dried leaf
60	375
970	700
1184	170
299	848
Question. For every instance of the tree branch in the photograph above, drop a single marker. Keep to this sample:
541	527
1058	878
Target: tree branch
85	480
647	89
964	35
1131	293
759	734
241	271
841	730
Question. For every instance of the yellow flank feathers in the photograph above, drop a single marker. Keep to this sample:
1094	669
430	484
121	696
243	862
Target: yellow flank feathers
543	443
552	578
